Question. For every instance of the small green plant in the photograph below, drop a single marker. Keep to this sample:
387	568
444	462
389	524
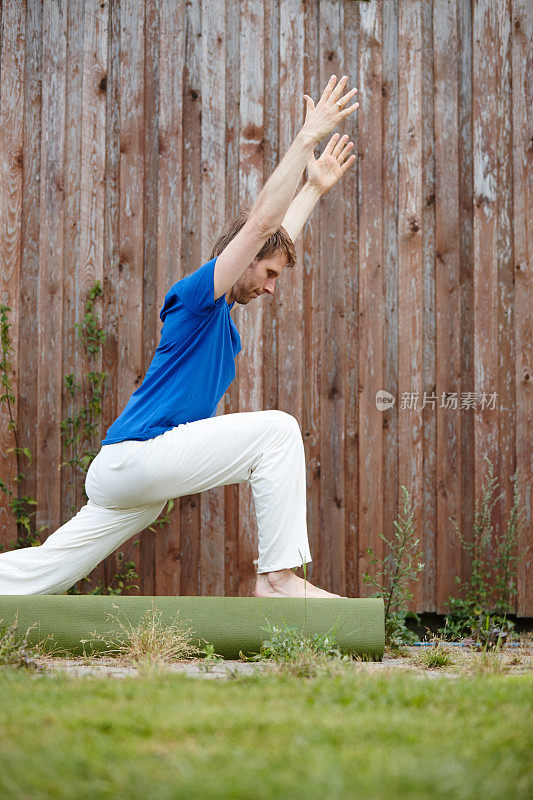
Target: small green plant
211	658
123	580
163	520
488	596
26	535
288	649
149	643
286	642
83	424
438	655
399	568
490	632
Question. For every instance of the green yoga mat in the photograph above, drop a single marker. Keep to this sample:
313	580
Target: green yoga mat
230	624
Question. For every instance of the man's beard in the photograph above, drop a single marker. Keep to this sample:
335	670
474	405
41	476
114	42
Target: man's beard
245	295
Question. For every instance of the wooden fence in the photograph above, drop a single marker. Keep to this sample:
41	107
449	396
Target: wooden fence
130	131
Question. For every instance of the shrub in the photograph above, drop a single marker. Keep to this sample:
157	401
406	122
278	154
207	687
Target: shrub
399	568
489	593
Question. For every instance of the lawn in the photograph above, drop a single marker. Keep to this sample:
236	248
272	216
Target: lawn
265	736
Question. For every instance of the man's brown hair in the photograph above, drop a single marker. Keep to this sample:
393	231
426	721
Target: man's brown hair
279	241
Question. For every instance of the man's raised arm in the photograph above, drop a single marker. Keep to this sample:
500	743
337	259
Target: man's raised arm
275	197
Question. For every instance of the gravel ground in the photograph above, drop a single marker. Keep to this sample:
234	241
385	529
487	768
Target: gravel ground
518	661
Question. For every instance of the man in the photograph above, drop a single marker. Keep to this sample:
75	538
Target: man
168	441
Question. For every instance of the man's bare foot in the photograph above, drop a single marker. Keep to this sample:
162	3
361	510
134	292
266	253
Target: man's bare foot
284	583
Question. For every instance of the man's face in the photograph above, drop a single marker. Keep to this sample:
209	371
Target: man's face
259	277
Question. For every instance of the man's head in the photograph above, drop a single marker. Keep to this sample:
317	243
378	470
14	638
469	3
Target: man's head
260	276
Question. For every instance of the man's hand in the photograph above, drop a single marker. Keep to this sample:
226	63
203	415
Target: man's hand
326	115
323	173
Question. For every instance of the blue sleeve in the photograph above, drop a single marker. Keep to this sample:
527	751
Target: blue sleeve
197	290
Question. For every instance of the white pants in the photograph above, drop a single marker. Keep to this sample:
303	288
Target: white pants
129	483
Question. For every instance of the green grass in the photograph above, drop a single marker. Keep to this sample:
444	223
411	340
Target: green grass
252	738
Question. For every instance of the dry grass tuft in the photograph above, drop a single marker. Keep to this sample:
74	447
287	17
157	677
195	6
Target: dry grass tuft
15	650
150	644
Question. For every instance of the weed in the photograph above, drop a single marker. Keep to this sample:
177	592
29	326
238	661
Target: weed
438	655
149	643
396	650
123	580
290	650
398	569
211	658
82	425
489	593
309	665
15	650
489	663
287	642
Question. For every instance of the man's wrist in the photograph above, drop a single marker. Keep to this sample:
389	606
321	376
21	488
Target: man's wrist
306	140
312	190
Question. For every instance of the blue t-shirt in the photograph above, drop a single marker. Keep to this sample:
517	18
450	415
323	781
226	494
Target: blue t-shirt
193	364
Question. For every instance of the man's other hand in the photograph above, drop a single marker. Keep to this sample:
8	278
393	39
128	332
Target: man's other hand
324	172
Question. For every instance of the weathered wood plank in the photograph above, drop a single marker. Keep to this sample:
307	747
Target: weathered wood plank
371	316
390	156
88	184
50	334
410	256
150	310
193	94
349	189
231	398
71	477
28	353
506	376
331	554
424	591
522	118
111	256
289	288
249	319
447	297
486	245
131	217
466	254
312	323
12	58
492	184
169	262
271	159
213	216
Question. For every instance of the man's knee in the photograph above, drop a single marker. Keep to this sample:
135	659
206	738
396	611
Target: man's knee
284	422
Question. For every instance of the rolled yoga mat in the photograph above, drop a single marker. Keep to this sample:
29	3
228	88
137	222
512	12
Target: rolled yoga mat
230	624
